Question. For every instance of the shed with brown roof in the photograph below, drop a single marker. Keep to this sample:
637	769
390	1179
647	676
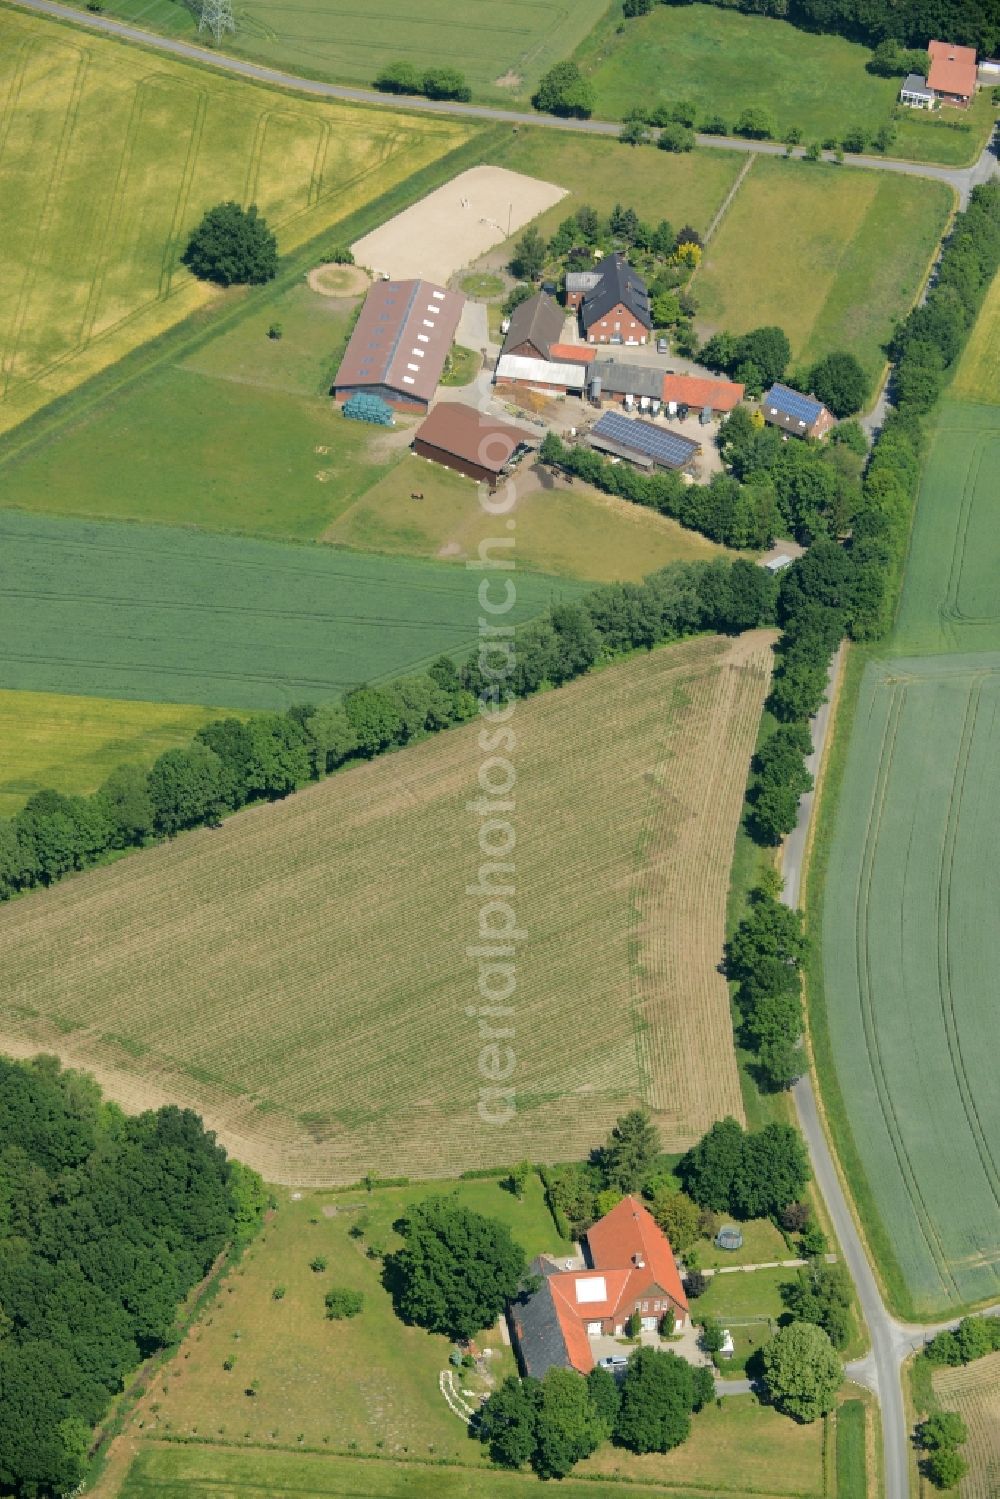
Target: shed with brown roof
535	325
469	442
400	343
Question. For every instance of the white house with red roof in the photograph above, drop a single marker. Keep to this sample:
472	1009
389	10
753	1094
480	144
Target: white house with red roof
630	1271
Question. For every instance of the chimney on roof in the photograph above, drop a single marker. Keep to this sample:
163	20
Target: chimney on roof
638	1262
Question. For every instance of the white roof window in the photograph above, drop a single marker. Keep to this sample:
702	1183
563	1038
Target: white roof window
408	380
591	1288
413	366
432	309
427	323
417	353
439	295
422	338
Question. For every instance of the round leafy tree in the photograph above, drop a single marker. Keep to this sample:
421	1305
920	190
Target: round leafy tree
233	246
840	383
563	90
802	1372
456	1270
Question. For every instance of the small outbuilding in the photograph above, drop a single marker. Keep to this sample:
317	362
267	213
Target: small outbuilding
471	443
802	416
729	1237
517	372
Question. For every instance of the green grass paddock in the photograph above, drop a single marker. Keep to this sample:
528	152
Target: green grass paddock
182	616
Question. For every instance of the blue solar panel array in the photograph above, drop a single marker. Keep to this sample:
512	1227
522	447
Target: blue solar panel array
663	446
800	408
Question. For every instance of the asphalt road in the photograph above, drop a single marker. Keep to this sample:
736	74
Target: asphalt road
961	181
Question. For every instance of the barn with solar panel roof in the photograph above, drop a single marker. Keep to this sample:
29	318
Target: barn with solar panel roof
793	412
643	444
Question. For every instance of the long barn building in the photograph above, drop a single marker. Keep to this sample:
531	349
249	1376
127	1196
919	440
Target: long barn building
400	344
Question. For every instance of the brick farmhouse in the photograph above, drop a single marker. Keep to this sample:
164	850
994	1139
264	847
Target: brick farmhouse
630	1271
612	301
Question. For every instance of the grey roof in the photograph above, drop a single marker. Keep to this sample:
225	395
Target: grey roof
781	400
582	280
629	379
539	321
619	283
668	449
536	1325
914	84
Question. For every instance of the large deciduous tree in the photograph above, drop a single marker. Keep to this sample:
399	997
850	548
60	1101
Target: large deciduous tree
233	246
656	1401
802	1372
456	1271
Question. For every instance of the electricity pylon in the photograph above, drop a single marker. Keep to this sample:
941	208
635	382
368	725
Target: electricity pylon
217	17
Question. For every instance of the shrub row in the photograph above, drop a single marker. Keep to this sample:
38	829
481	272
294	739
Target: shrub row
434	83
905	23
233	761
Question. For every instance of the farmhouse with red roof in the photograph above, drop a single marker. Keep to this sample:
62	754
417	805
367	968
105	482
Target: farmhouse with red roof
630	1271
952	73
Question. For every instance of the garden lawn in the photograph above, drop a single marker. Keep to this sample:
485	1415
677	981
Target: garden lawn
369	1381
573	532
741	1448
502	49
725	62
181	616
762	1242
834	257
70	744
110	162
747	1295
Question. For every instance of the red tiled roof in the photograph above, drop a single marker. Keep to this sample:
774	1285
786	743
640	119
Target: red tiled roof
627	1234
953	69
571	354
630	1231
721	395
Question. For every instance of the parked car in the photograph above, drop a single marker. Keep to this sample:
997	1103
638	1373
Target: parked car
662	346
613	1361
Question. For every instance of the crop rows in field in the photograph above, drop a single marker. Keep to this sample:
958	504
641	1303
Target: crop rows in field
974	1391
909	923
106	164
301	973
182	616
951	601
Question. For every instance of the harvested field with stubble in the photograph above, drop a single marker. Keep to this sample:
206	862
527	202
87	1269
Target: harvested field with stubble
300	974
974	1391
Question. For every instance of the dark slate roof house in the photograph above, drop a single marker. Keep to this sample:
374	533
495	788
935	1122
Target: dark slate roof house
617	309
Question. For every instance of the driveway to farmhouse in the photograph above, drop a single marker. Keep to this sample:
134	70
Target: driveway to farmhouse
962	181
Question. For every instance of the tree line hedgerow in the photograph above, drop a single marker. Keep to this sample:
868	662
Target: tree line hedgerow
234	761
107	1221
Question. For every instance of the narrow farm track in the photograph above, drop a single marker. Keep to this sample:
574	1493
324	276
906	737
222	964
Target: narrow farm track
962	181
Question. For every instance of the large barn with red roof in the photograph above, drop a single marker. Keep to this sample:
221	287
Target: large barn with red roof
630	1271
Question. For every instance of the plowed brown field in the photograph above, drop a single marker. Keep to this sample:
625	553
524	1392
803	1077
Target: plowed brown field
300	974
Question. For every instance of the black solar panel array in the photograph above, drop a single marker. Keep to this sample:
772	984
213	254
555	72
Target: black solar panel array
665	447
